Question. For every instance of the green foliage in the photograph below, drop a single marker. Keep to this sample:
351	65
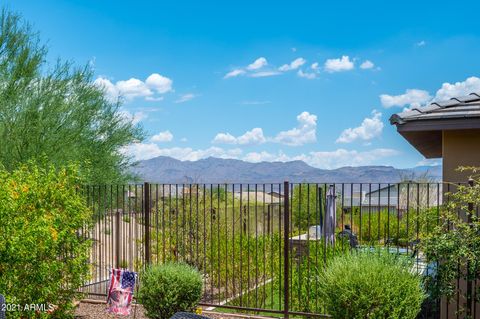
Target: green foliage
454	244
305	205
232	259
43	251
305	274
169	288
399	229
57	113
370	285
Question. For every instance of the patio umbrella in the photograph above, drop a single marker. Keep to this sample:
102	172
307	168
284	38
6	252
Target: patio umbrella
330	215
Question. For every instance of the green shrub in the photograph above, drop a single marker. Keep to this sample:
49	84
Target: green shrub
371	285
378	227
454	245
43	253
169	288
305	204
305	273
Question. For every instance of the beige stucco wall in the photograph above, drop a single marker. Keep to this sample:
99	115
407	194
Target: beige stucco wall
460	148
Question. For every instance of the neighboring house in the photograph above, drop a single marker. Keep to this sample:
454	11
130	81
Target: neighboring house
259	197
382	198
392	197
408	194
350	201
447	129
276	195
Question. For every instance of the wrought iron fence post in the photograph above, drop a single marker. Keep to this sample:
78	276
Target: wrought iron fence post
286	250
117	238
469	279
146	220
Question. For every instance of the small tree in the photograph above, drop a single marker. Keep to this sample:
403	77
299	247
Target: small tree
306	205
43	251
454	244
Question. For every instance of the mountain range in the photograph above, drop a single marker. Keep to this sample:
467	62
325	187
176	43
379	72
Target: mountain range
165	169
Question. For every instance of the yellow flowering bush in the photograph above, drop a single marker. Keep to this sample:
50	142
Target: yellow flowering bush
43	251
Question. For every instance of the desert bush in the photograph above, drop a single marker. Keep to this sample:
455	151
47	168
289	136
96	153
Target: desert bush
454	244
370	285
43	253
168	288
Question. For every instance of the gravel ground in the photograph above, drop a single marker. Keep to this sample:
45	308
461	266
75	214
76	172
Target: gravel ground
96	311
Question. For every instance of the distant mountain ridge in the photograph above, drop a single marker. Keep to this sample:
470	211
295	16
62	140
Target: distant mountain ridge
164	169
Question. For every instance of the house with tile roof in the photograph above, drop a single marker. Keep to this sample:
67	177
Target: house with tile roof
445	129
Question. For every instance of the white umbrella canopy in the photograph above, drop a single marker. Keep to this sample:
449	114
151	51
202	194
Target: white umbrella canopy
330	215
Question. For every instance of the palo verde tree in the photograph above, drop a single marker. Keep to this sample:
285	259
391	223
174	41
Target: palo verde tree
56	112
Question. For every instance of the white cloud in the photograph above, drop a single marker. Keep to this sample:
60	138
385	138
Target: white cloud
108	87
257	69
342	157
253	137
315	66
133	88
257	64
338	65
185	98
307	75
421	43
224	138
429	162
370	128
234	73
262	74
159	83
411	97
305	132
134	118
154	99
264	156
295	64
325	159
367	64
252	70
165	136
448	90
142	151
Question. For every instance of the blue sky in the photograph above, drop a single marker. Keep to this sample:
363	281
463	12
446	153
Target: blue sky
269	80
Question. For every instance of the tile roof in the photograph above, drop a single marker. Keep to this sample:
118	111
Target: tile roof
455	108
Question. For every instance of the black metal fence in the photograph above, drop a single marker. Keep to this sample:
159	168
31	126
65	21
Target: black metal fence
258	246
